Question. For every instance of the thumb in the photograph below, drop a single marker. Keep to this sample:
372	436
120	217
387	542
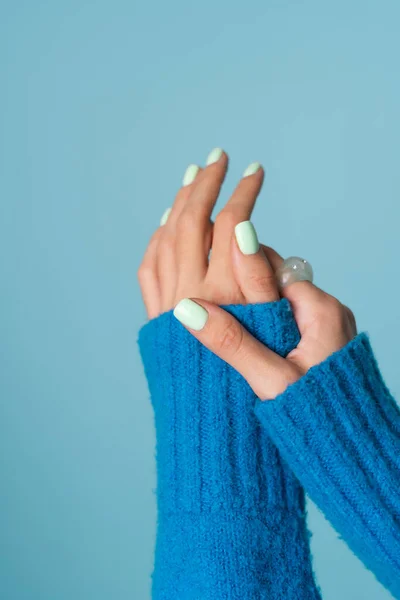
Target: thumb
267	373
305	299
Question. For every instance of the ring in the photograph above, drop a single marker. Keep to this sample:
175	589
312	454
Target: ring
294	269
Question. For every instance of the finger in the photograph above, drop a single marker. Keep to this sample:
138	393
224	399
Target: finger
305	299
303	292
193	226
267	373
245	195
253	272
238	208
167	269
148	279
171	215
273	257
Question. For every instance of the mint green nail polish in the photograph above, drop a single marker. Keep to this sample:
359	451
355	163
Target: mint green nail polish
246	237
165	216
191	314
190	175
251	169
214	156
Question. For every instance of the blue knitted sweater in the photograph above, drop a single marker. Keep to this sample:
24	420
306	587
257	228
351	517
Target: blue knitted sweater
231	468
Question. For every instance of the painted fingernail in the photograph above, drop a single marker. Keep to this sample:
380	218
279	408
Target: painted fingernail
190	175
214	156
165	216
251	169
246	237
191	314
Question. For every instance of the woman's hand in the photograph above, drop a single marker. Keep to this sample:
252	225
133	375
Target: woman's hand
176	264
325	326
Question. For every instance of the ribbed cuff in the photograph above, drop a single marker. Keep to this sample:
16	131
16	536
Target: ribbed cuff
338	428
210	455
231	515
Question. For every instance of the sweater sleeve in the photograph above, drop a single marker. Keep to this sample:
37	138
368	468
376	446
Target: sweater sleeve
338	428
231	515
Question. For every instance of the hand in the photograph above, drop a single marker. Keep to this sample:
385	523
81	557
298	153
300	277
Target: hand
177	265
325	326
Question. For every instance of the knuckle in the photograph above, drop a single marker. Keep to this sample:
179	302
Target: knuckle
261	282
188	221
227	219
335	311
156	237
331	304
144	272
167	244
230	339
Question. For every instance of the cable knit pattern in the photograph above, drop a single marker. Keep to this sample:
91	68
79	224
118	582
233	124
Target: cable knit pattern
338	428
231	515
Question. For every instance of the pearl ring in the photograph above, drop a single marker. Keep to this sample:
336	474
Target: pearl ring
294	269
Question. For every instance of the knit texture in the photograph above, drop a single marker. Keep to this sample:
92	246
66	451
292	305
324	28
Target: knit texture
231	515
338	428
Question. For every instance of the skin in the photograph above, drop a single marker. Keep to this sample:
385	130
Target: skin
176	266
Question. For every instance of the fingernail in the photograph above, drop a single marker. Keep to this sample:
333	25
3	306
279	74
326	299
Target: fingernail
251	169
214	156
190	175
246	237
191	314
165	216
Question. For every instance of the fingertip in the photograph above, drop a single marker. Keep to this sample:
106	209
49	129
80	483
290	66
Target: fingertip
252	269
191	314
190	175
217	156
253	169
247	238
165	217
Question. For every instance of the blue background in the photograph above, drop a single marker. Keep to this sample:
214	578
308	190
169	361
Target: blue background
102	106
